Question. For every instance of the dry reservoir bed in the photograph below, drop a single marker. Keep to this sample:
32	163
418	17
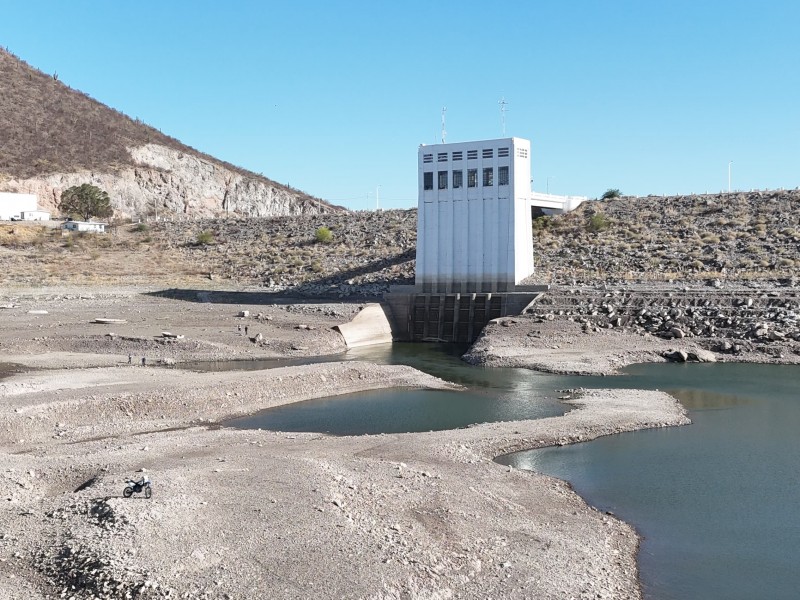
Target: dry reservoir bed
239	514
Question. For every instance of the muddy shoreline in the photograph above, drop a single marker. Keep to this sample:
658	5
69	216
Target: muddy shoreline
239	514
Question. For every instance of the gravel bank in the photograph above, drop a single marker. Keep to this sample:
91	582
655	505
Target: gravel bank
595	330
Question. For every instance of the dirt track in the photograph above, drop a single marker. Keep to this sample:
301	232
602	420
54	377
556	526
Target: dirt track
242	514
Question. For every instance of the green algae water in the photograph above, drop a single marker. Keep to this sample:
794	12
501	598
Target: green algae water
717	503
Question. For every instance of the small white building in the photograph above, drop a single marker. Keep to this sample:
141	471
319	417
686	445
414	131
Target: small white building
12	204
34	215
474	222
89	226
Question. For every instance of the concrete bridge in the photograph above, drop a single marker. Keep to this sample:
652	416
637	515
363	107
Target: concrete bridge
556	204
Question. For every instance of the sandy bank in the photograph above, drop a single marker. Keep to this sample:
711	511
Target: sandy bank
78	404
257	513
240	514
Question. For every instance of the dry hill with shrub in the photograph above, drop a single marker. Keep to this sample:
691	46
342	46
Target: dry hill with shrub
53	137
736	238
366	252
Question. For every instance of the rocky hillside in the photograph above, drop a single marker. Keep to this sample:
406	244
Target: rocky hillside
712	241
53	137
720	237
366	253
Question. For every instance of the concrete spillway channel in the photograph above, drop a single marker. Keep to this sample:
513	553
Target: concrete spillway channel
426	317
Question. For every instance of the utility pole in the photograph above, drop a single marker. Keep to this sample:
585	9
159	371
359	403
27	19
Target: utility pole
730	162
378	198
503	104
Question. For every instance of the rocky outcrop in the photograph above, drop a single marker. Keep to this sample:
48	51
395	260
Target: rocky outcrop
173	184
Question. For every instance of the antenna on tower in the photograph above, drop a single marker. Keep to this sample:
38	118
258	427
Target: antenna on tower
444	131
503	104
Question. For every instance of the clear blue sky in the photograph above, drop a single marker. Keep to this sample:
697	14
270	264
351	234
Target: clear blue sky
335	97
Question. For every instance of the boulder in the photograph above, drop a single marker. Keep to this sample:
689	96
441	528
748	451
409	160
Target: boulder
676	355
700	355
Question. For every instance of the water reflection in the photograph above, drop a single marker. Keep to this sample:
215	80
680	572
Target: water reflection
708	400
716	502
491	395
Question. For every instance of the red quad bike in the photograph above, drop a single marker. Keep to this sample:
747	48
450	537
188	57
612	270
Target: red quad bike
143	485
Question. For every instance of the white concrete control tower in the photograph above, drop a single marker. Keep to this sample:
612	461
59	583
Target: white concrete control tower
474	221
474	242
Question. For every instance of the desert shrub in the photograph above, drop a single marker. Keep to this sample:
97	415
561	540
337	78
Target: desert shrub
541	223
610	193
40	239
141	228
598	222
324	235
205	237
